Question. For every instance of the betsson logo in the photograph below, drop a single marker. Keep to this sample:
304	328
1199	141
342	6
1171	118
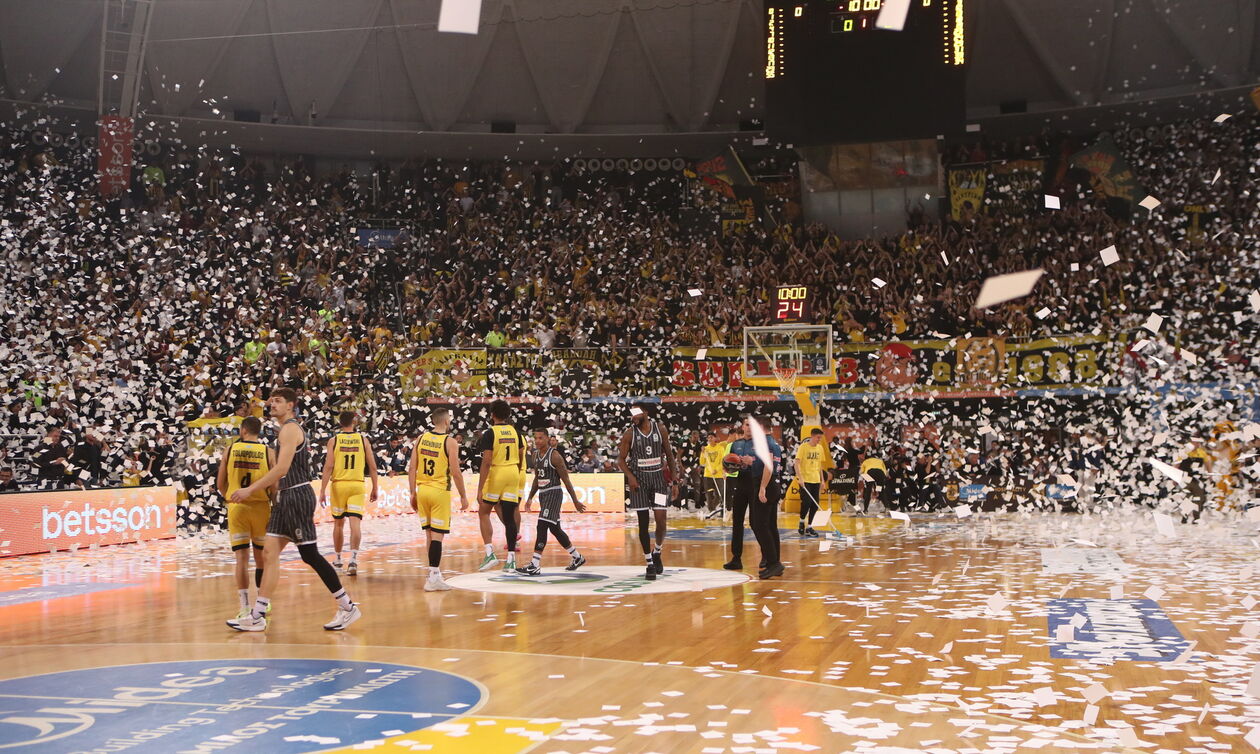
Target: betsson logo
92	520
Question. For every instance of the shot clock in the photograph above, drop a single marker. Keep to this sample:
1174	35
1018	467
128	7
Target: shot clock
832	76
791	304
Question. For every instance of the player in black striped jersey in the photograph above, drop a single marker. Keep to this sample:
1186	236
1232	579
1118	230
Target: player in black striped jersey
647	460
551	478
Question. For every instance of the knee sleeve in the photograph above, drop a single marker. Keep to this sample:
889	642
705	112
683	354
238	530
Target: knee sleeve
318	563
540	536
561	537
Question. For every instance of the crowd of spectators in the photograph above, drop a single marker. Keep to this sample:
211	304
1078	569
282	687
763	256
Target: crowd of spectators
218	276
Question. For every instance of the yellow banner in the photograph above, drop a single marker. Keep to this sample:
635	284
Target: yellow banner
444	372
966	190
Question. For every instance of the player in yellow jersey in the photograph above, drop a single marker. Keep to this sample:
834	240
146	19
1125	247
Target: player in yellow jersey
809	475
244	461
349	456
499	484
434	466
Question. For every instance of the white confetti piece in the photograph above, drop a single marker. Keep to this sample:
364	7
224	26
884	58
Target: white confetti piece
459	16
892	16
1052	202
1000	288
1095	693
1109	256
1149	203
694	292
1221	118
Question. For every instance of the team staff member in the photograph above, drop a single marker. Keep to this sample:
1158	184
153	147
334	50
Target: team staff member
499	483
348	456
434	466
809	475
714	479
756	491
244	461
874	474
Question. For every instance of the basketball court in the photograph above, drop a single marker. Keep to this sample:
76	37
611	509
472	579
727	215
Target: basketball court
942	635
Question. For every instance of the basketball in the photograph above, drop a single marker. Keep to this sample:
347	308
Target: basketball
731	463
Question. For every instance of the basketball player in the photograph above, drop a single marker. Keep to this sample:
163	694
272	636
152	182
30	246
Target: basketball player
434	466
644	458
292	519
499	484
243	461
349	456
550	472
809	477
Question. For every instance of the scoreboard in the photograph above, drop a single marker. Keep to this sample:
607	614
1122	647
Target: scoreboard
832	76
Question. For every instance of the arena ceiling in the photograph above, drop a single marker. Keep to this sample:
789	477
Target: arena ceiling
587	66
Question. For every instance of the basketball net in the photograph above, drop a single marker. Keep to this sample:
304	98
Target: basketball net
787	379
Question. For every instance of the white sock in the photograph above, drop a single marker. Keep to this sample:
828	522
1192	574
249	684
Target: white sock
338	560
244	595
536	558
511	556
260	607
354	556
489	549
573	551
343	599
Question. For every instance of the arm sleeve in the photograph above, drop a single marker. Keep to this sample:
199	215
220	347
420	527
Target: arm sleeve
486	442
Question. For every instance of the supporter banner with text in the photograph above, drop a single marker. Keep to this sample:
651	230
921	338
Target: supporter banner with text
79	519
445	372
114	139
1015	186
600	493
963	365
960	365
1112	175
966	190
208	437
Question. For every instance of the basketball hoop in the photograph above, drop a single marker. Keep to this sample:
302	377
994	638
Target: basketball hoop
786	376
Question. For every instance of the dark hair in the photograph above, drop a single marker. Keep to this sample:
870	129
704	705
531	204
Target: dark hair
286	393
646	408
346	418
251	425
500	410
543	428
816	431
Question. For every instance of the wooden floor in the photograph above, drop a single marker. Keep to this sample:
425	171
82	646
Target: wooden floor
927	637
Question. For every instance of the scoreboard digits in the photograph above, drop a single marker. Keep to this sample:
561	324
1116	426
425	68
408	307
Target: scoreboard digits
791	304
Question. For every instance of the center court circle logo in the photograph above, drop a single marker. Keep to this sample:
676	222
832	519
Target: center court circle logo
599	580
277	706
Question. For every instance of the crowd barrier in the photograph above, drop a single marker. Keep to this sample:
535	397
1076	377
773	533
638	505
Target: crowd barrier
600	493
35	522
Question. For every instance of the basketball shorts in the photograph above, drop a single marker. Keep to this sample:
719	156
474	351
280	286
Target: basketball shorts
293	515
433	505
653	492
503	485
247	524
550	501
346	498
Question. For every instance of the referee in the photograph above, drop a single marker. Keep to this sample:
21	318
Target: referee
757	490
